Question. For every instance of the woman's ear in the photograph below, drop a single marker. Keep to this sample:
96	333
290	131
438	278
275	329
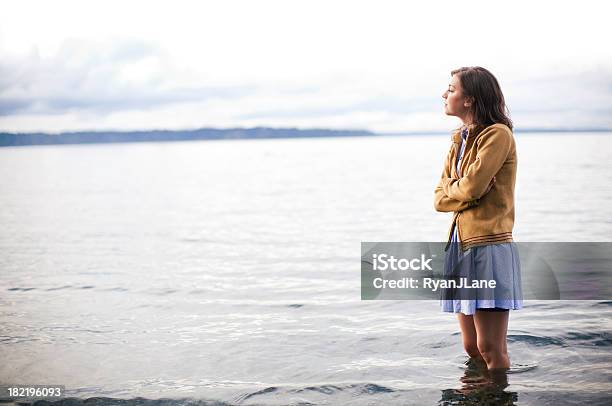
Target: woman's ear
468	101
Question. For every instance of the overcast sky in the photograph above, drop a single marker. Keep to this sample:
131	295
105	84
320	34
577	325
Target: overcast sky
377	65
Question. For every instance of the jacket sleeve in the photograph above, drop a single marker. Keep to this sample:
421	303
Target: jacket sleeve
444	203
492	150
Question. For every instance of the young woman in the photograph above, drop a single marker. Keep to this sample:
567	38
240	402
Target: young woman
477	184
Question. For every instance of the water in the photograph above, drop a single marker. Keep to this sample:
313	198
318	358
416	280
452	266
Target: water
229	271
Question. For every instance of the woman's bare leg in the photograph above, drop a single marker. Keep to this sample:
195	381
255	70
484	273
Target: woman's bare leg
491	330
469	336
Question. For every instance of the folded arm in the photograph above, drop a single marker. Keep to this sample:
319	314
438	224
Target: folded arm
444	203
493	149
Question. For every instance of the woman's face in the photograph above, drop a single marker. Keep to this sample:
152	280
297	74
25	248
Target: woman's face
455	104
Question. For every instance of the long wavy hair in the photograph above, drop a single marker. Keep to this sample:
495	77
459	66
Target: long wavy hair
489	106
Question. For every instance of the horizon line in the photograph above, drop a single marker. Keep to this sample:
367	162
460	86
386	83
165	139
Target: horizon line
352	130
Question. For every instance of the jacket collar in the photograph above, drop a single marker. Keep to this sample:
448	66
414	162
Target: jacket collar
472	129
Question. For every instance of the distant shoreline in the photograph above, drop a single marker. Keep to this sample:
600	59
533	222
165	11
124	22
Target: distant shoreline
8	139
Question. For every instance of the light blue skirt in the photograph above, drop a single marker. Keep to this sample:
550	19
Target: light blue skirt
499	262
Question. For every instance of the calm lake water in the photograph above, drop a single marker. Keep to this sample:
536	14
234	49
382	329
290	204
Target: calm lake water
229	271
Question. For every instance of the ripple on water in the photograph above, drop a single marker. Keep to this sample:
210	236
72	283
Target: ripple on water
60	288
591	338
295	305
355	389
536	340
515	367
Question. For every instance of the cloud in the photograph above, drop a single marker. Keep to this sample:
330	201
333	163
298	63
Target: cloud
100	77
122	83
578	99
134	84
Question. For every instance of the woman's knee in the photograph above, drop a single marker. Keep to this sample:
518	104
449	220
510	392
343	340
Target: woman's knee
489	348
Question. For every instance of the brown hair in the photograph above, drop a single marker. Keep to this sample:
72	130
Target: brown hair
489	106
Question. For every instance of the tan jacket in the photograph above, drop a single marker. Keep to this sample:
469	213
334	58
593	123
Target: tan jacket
481	218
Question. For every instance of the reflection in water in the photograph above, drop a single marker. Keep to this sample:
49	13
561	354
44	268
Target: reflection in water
480	386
